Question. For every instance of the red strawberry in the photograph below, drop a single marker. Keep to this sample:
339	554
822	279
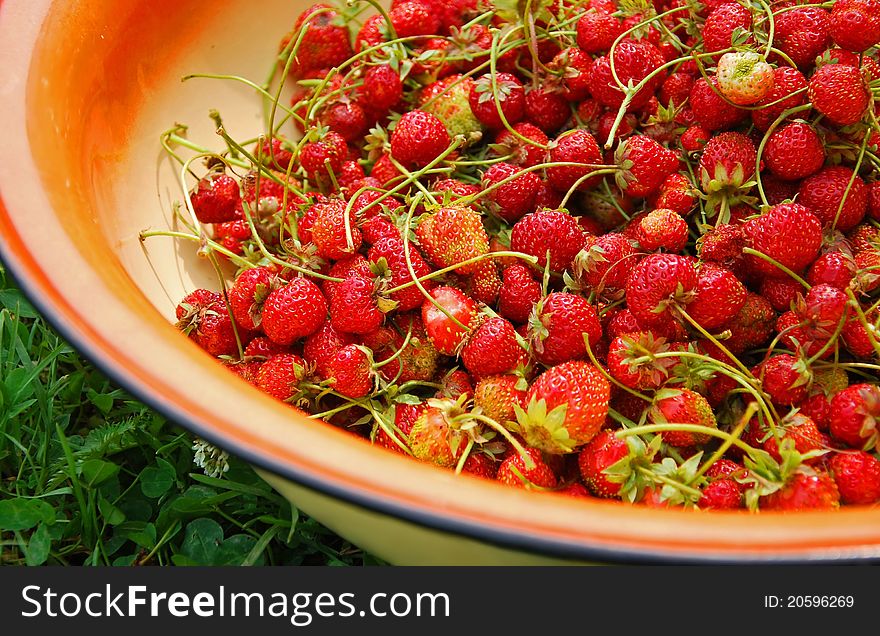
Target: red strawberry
694	138
280	375
320	349
682	406
658	284
711	111
606	262
263	348
484	285
567	406
550	231
319	158
334	232
676	88
788	83
604	451
511	100
784	378
721	494
823	193
325	44
418	139
247	295
524	154
675	193
802	34
294	311
518	295
498	394
633	62
752	326
626	349
480	465
794	151
434	439
781	292
558	327
855	413
354	307
514	472
392	250
807	489
446	335
577	146
802	431
453	235
788	233
491	349
203	316
855	24
405	416
383	88
839	92
597	30
547	110
719	297
644	165
573	68
516	197
857	475
352	372
721	23
216	198
832	268
662	229
860	341
414	18
456	187
727	163
722	244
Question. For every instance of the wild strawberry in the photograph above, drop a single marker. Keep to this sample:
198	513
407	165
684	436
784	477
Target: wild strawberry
855	24
662	229
571	69
867	268
605	450
203	317
558	326
456	187
824	193
633	62
514	471
721	494
839	92
405	416
788	83
721	24
722	244
855	413
658	284
342	269
418	139
802	34
247	295
727	163
832	268
625	355
806	489
334	232
785	378
579	147
788	233
874	200
320	349
524	154
413	18
597	30
444	326
781	292
752	326
860	341
567	406
352	372
434	438
794	151
744	77
644	165
263	348
216	198
514	199
354	307
324	43
675	193
392	250
682	406
550	231
547	110
319	158
453	235
294	311
719	297
694	138
448	100
382	87
865	237
605	262
497	395
480	465
711	111
676	89
484	285
280	375
857	475
511	100
491	349
802	431
518	295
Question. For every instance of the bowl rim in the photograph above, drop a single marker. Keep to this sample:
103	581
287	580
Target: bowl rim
642	535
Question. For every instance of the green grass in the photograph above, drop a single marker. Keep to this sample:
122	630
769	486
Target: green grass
89	476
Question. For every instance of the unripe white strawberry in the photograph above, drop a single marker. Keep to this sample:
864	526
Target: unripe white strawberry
744	77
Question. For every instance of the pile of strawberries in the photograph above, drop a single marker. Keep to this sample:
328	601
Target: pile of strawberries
606	248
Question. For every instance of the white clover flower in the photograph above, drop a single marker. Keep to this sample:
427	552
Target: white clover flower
213	461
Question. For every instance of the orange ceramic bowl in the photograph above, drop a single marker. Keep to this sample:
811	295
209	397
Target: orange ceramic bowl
86	89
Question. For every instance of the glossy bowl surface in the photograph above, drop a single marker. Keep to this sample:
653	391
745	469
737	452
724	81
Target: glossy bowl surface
86	89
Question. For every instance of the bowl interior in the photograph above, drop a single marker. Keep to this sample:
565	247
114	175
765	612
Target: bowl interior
90	87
